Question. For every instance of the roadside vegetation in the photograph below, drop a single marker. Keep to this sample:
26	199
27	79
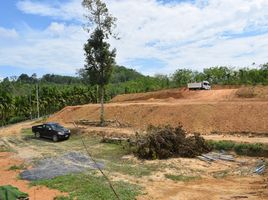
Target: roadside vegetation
245	149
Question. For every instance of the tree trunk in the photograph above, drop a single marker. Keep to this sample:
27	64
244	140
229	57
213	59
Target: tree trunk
102	122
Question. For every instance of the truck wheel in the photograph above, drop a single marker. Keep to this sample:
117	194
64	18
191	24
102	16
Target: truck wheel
37	135
55	138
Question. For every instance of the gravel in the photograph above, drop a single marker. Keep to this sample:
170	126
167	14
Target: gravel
72	162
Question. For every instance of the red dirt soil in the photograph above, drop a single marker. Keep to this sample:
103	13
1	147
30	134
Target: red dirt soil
10	177
198	111
209	189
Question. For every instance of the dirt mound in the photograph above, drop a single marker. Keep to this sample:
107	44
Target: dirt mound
203	117
220	110
218	93
260	92
167	142
178	94
162	94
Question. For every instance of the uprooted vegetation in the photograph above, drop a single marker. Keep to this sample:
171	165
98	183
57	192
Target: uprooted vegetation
166	142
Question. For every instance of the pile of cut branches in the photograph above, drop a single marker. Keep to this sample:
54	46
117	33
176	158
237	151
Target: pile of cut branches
166	142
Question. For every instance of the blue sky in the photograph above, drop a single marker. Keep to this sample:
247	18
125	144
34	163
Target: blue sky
156	36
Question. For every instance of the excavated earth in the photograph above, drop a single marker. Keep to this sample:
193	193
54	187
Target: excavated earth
216	111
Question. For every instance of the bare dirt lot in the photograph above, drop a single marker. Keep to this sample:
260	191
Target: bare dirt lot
176	178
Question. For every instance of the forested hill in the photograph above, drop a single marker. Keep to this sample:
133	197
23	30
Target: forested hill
18	95
120	74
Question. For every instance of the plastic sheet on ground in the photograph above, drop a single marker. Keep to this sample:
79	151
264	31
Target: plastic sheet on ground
72	162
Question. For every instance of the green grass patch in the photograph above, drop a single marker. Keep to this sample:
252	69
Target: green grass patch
132	169
221	174
41	121
251	149
88	186
181	177
17	167
103	151
246	149
62	198
221	145
4	148
27	134
111	154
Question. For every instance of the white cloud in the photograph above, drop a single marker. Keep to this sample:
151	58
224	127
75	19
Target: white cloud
56	49
8	33
70	10
185	35
195	35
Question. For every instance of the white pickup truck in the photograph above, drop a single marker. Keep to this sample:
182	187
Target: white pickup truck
204	85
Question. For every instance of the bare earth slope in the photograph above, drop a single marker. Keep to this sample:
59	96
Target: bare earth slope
218	110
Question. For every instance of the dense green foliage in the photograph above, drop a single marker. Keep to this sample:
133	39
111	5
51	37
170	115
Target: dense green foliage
99	59
18	100
18	94
247	149
223	75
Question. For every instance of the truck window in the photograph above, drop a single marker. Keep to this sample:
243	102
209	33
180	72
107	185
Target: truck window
48	127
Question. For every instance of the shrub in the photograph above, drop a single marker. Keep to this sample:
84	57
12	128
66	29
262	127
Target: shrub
247	149
222	145
17	119
166	142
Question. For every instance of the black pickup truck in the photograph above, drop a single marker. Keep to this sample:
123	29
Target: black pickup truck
52	131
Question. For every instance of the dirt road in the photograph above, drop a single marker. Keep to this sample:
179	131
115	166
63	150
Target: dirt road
16	128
